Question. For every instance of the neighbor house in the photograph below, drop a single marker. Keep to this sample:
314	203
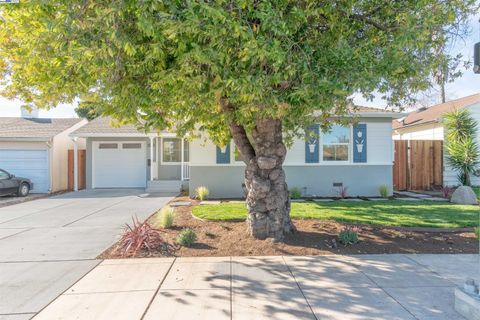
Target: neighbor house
358	157
427	124
37	148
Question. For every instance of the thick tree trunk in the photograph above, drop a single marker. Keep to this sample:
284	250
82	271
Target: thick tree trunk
268	199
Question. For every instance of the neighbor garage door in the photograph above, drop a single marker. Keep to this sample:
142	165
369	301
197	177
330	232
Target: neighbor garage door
31	164
119	164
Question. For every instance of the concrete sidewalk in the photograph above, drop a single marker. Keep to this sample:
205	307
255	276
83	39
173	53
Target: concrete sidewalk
373	287
46	245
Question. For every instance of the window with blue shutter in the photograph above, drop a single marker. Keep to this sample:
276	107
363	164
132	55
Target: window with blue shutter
312	144
223	154
360	143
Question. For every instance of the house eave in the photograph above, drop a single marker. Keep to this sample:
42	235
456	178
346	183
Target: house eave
121	135
389	115
26	139
418	124
392	115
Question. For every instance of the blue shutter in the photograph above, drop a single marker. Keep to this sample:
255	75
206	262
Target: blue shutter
223	157
360	143
312	144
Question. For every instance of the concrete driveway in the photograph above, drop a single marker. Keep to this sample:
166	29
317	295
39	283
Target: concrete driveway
48	244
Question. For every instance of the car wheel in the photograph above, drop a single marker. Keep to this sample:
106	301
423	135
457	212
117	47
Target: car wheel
23	190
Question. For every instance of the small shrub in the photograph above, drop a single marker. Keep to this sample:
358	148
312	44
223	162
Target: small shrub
202	193
447	192
342	192
295	193
140	235
384	191
165	217
477	232
349	235
187	238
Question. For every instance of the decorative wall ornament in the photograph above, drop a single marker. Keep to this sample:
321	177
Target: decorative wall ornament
359	142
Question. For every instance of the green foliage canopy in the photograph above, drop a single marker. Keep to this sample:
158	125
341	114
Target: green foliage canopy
168	64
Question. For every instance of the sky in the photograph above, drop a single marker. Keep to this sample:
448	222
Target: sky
467	84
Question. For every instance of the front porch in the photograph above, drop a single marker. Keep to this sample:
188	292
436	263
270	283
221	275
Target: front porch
168	163
168	159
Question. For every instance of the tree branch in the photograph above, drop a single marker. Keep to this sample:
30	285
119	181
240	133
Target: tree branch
369	21
238	133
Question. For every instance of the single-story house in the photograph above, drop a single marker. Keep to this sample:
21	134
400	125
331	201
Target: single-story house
427	124
358	157
37	149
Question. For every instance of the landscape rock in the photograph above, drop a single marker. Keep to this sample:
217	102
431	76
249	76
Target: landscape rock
464	195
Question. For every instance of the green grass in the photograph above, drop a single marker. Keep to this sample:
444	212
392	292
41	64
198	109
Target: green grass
388	213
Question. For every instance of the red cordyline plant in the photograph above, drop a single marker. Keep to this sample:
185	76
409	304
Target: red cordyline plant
140	235
447	192
342	192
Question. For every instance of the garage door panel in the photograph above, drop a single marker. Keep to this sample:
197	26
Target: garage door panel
21	164
31	164
119	167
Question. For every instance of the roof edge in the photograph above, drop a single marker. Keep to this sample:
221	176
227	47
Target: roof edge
27	139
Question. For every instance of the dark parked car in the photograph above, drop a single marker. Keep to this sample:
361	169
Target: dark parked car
9	184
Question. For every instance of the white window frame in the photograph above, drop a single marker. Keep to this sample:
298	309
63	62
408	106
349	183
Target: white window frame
170	163
349	144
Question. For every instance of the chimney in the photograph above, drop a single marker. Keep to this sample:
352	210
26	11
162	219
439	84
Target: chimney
29	112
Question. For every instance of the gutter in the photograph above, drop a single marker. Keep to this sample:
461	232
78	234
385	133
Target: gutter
121	135
418	124
32	139
391	115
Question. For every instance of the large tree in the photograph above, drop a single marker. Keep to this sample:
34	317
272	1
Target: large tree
254	71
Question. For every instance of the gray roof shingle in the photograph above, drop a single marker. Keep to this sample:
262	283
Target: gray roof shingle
435	112
35	128
105	125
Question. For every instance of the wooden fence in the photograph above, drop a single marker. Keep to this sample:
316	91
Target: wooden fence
81	169
418	165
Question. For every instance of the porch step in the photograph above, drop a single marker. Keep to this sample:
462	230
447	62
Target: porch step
157	186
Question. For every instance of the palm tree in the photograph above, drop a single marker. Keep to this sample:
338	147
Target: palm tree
462	150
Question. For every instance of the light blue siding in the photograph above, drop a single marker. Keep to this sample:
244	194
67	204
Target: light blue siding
361	180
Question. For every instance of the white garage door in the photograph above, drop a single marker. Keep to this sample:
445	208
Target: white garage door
119	164
31	164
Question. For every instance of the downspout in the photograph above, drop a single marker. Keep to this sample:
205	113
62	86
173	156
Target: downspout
75	163
49	144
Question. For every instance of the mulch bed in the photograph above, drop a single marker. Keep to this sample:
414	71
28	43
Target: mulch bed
313	237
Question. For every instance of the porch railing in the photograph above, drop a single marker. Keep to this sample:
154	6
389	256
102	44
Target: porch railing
186	171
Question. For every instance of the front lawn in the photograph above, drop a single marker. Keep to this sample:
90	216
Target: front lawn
387	213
